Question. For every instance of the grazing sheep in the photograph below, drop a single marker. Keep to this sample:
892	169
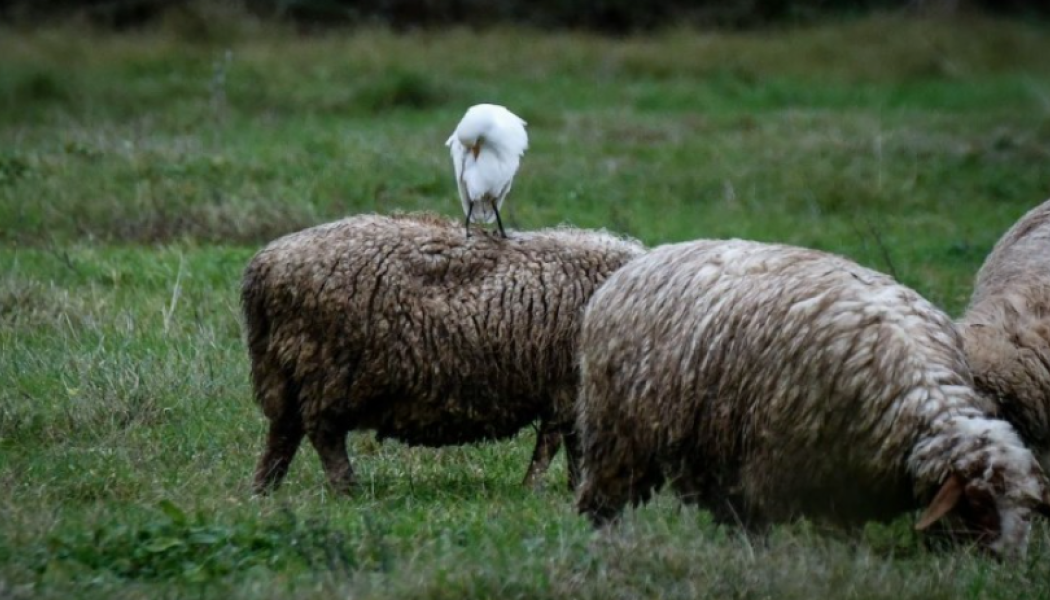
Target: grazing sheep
1006	329
767	382
403	326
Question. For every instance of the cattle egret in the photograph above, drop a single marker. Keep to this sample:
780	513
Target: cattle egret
486	149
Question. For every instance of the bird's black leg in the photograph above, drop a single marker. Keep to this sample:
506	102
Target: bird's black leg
469	211
498	221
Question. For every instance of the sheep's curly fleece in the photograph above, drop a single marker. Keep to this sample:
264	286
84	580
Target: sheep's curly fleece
1006	328
402	325
768	382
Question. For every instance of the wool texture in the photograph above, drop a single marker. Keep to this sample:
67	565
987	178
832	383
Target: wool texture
768	382
1006	329
402	325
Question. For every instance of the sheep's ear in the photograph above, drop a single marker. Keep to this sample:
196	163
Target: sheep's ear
945	500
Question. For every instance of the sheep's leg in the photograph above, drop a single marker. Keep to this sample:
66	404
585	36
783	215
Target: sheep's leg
617	473
278	397
572	458
470	211
603	500
599	505
281	444
330	443
604	492
499	222
547	443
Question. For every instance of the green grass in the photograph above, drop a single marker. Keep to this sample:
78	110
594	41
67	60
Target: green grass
138	173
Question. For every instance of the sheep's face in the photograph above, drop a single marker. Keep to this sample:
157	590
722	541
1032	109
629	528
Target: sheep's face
996	521
1016	524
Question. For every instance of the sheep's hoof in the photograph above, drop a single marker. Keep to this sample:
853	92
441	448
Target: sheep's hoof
262	491
602	520
600	513
266	484
534	482
344	487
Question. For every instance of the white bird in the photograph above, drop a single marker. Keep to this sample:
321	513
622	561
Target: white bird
486	149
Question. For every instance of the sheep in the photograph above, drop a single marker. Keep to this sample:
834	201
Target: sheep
1006	329
768	382
400	325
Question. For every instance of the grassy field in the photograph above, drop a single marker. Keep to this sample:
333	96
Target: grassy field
139	173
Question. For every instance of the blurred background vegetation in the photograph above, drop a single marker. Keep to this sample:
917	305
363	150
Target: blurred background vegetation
615	16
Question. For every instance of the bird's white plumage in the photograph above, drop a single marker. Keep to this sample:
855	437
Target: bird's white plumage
486	149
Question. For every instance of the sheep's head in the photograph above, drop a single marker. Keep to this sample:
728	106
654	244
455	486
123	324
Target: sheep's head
998	520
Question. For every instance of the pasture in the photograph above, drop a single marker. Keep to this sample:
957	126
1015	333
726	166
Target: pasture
139	173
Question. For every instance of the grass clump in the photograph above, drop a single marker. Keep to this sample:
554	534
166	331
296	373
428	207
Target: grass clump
171	545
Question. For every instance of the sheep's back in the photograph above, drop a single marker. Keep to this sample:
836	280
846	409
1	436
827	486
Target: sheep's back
1020	260
760	360
426	335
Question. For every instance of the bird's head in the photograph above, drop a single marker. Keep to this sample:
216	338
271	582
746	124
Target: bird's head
489	126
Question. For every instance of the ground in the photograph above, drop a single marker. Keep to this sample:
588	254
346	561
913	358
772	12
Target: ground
139	172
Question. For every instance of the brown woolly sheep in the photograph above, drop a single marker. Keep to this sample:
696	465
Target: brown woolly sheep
402	325
767	382
1006	329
